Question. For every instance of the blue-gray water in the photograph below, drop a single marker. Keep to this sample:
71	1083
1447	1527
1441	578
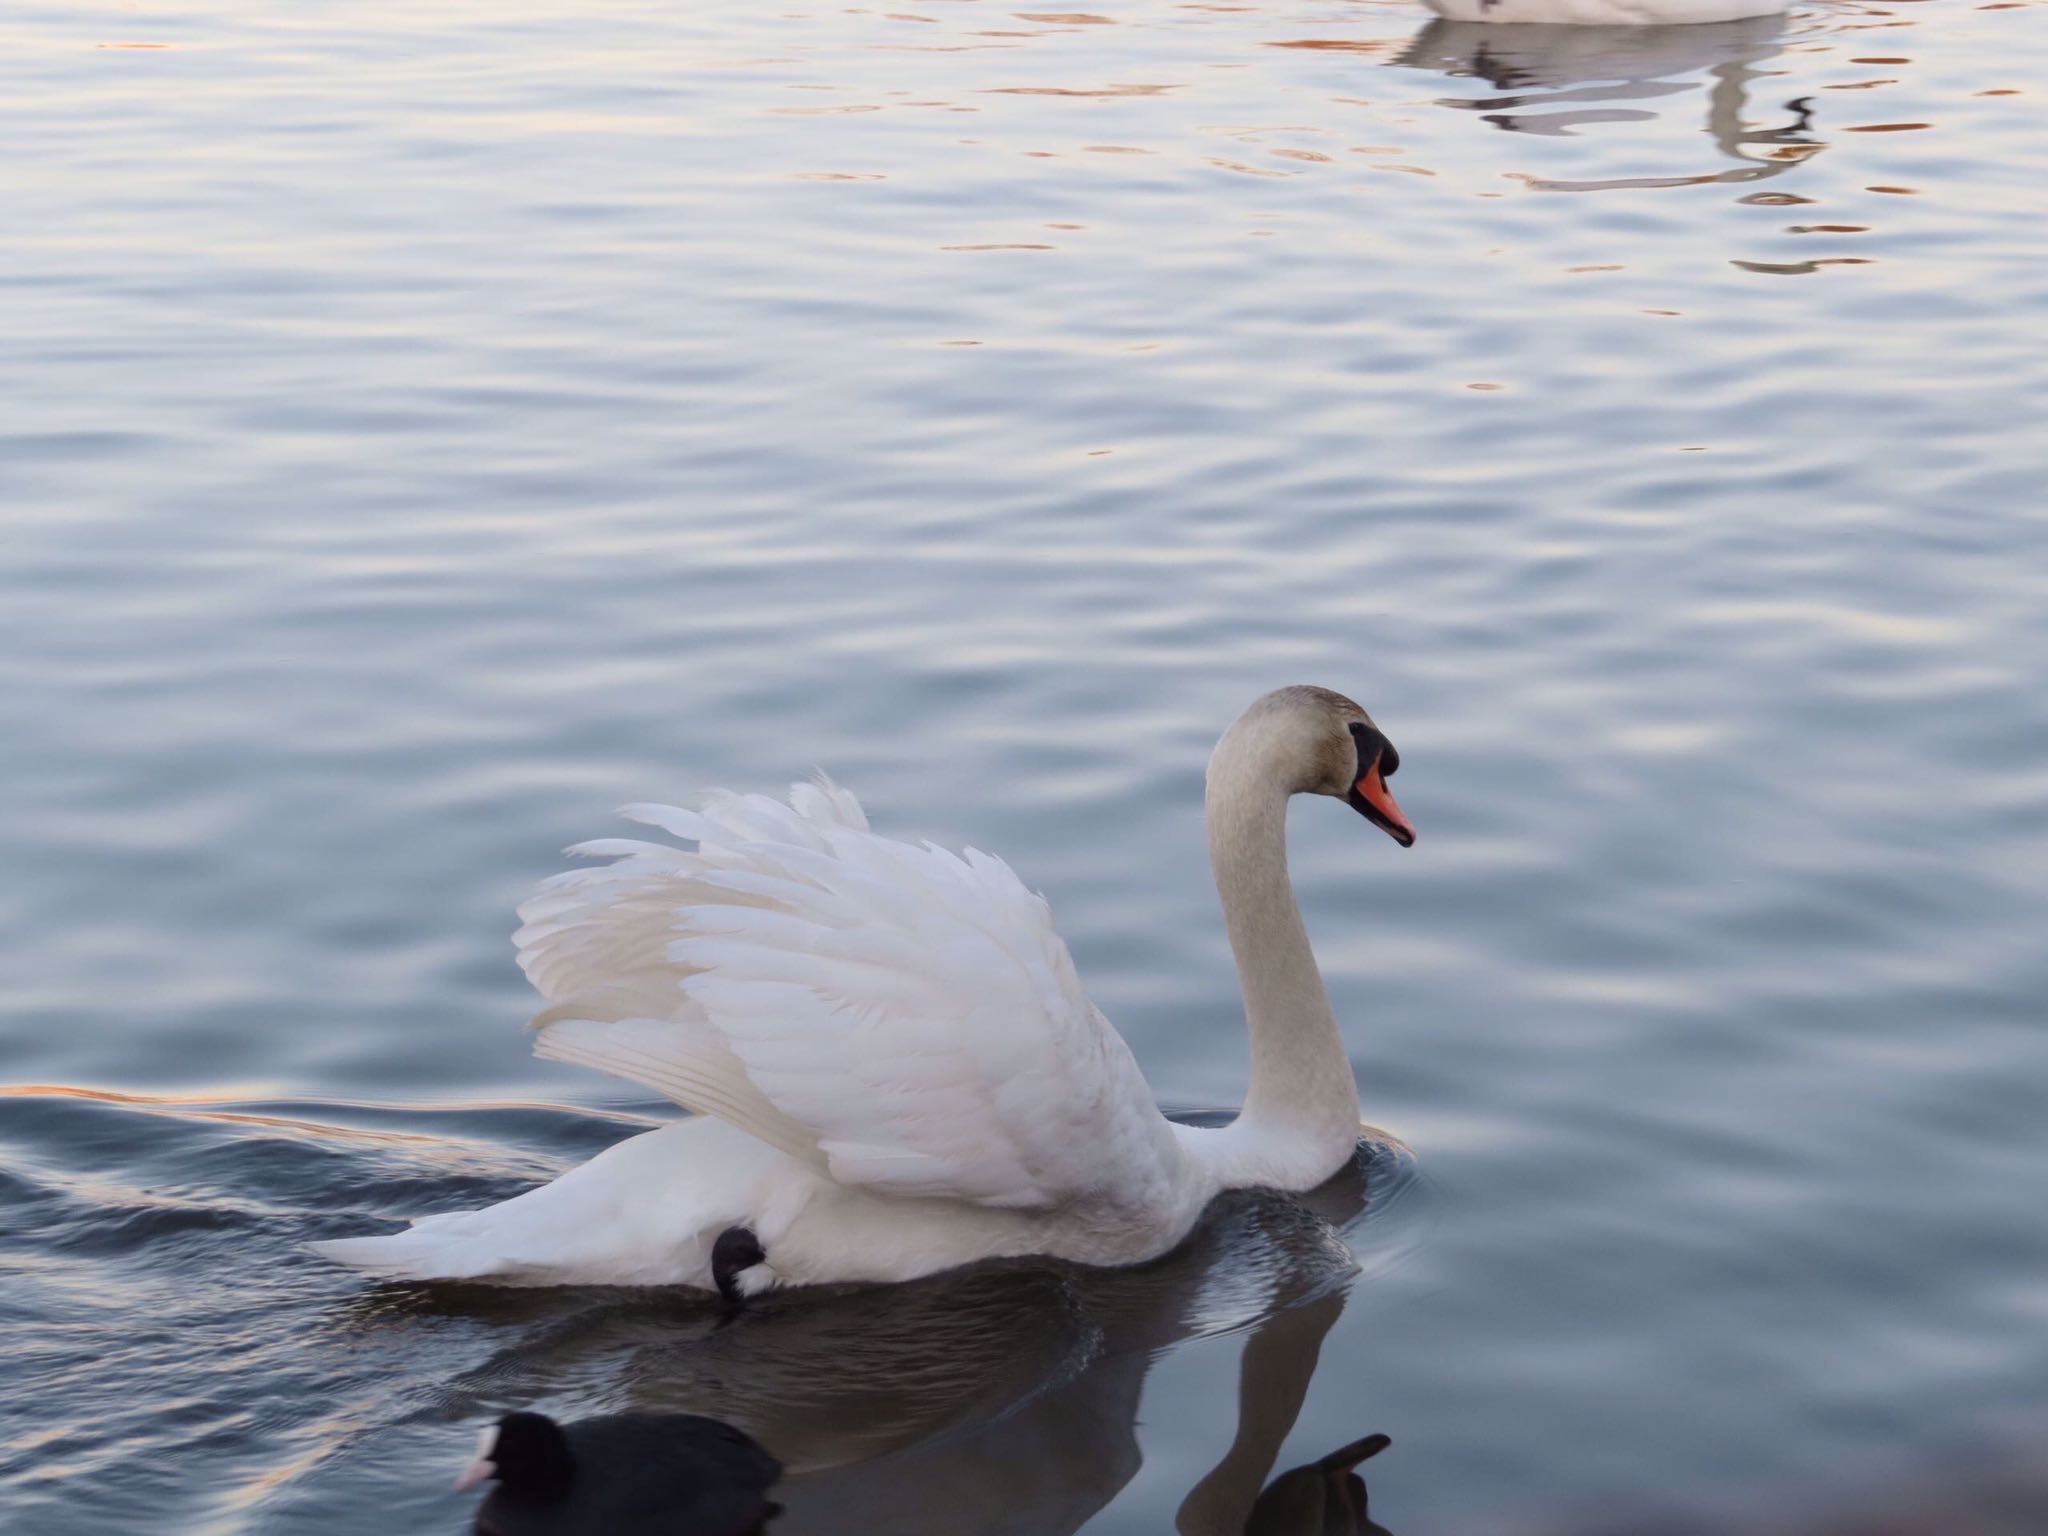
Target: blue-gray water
429	427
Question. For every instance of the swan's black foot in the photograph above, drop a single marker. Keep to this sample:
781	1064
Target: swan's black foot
736	1251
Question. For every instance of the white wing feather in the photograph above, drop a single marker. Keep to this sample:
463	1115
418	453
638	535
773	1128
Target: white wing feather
903	1018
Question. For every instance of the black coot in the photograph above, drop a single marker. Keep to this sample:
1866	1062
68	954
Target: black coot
621	1475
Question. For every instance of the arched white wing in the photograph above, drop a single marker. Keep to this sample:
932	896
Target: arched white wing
901	1017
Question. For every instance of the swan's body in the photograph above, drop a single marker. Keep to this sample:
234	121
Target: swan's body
895	1067
1606	13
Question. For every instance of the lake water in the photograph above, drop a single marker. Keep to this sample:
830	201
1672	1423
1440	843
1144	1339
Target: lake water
430	427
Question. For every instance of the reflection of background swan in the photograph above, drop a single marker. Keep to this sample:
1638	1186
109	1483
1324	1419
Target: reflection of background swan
1010	1390
1562	78
1604	13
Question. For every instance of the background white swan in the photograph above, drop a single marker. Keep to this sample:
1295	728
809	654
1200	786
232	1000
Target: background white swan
1606	13
895	1068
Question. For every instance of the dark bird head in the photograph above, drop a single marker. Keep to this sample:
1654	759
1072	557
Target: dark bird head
528	1456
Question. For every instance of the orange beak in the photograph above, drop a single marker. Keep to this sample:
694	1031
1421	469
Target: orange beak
1371	798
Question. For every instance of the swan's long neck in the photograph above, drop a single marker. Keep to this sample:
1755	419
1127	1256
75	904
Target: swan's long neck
1300	1118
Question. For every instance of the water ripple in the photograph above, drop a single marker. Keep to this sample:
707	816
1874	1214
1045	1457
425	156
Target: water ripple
426	434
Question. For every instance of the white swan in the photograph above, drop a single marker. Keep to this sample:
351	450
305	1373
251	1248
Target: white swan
1606	13
894	1066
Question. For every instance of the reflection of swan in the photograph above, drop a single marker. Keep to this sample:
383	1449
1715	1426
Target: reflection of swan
1325	1498
1000	1398
1539	58
1604	13
1273	1377
1558	79
904	1071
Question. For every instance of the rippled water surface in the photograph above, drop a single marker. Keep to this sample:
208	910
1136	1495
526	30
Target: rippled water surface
431	426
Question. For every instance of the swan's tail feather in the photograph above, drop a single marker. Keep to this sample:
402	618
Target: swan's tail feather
645	1211
423	1251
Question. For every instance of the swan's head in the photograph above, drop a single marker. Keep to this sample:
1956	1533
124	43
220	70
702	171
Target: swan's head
1315	742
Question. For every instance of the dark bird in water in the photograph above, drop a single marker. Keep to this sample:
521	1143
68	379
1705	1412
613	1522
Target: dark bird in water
621	1475
1324	1498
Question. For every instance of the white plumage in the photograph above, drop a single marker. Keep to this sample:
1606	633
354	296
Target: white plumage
893	1062
901	1018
